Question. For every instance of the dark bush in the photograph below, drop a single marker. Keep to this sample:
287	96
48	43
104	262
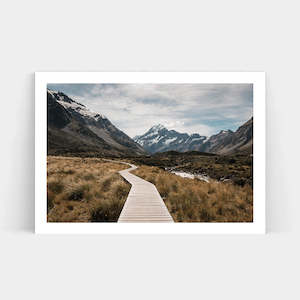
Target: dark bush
77	193
108	211
55	187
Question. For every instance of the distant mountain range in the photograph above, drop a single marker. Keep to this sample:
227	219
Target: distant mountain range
160	139
74	129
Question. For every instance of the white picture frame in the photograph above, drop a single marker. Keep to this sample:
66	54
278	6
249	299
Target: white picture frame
44	78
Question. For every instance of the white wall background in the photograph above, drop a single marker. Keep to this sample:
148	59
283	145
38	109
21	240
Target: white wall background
149	35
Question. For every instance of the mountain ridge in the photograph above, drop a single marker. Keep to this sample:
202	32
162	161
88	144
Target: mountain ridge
159	139
73	128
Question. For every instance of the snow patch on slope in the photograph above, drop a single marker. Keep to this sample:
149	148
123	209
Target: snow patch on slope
81	110
75	106
155	140
168	141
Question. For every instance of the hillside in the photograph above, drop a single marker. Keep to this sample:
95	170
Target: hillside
73	129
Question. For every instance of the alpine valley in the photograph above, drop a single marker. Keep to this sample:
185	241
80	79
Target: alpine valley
197	178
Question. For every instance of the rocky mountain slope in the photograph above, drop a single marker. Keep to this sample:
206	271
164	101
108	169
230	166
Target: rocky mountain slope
239	141
160	139
74	129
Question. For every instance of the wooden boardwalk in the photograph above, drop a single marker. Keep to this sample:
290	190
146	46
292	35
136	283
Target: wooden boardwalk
144	203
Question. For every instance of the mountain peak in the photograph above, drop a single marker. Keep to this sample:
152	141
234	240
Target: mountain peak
226	131
60	96
77	107
158	127
158	138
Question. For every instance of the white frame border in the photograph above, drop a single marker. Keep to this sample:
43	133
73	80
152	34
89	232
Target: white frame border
41	81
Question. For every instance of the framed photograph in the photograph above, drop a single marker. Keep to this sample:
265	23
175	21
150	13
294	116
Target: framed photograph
150	152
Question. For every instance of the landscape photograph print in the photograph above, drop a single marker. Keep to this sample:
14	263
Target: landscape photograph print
150	153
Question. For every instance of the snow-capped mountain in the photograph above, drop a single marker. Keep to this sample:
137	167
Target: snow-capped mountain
73	128
160	139
74	106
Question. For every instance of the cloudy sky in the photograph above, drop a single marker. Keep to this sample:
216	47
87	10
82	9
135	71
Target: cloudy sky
193	108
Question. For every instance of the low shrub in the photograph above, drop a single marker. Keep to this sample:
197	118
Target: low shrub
107	211
55	187
106	183
77	193
88	177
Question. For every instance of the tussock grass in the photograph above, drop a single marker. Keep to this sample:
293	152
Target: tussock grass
192	200
84	190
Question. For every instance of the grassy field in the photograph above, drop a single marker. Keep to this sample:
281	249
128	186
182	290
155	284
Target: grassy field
84	190
91	190
192	200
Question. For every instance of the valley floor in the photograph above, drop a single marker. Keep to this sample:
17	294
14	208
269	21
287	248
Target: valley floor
92	190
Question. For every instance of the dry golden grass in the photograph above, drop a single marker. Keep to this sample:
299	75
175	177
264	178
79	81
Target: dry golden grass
84	190
192	200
